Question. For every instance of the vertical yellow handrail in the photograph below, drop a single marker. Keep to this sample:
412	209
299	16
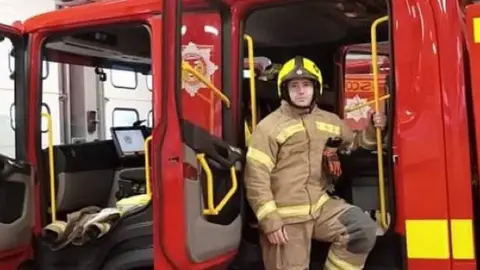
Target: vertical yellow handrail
381	183
253	90
148	186
231	191
51	167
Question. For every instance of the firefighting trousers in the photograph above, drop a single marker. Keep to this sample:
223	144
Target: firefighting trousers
351	232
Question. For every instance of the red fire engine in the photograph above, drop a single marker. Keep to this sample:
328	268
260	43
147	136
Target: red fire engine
183	174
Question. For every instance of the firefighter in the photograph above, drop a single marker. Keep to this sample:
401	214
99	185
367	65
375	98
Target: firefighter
285	185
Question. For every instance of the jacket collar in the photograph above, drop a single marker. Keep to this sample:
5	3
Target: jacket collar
294	112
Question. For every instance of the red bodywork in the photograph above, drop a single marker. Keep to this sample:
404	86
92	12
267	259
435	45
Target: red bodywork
433	170
432	175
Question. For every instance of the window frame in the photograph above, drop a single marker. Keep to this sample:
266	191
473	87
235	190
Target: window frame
150	113
146	82
9	62
123	87
123	109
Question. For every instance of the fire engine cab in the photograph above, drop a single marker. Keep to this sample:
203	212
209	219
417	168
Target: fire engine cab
127	124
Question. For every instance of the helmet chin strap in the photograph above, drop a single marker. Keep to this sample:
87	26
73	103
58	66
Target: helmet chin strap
309	107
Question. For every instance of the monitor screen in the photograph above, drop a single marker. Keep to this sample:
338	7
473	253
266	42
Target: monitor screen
129	141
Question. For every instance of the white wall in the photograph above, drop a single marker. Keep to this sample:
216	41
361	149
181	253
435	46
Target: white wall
12	11
22	9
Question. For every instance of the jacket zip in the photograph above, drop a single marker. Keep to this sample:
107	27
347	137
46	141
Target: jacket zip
309	167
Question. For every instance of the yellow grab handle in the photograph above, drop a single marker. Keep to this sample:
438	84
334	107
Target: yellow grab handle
208	172
253	90
218	92
231	192
354	108
51	167
381	183
211	209
148	186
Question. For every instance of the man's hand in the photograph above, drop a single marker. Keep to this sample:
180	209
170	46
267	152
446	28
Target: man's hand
278	237
379	120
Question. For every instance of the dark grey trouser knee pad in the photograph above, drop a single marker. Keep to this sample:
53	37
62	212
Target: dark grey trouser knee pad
361	230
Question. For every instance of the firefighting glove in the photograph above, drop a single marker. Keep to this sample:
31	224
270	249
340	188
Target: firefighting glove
331	162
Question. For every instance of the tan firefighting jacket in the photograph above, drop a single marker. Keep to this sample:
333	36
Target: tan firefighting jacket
283	174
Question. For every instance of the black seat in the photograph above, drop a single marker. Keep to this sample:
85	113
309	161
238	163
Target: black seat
359	182
83	174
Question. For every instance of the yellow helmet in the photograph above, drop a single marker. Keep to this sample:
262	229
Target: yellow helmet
296	68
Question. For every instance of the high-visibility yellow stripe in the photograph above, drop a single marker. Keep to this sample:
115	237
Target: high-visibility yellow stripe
335	263
302	210
260	157
476	30
265	209
334	129
329	266
427	239
289	132
290	211
462	239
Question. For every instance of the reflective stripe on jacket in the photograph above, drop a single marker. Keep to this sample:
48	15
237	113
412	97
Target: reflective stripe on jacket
283	174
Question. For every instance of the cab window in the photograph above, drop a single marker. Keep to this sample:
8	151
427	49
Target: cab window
126	79
124	117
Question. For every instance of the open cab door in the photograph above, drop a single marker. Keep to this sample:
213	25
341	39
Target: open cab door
472	37
201	201
16	184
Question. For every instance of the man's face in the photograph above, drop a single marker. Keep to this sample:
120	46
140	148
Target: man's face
301	92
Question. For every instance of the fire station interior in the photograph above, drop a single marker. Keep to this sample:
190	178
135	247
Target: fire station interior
99	172
331	33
